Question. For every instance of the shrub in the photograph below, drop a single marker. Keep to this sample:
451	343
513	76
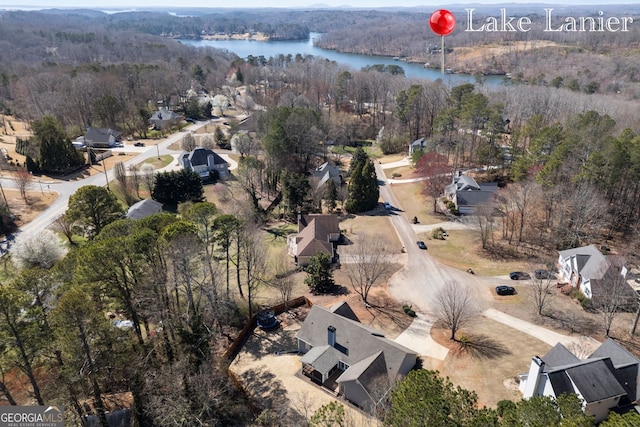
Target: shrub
408	310
437	233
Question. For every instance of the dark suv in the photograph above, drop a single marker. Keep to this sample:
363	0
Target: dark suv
519	275
505	290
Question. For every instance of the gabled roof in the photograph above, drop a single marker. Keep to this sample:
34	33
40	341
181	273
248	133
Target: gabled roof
315	234
200	157
343	309
359	341
101	135
323	358
619	355
325	172
590	262
163	114
559	356
144	208
367	370
595	380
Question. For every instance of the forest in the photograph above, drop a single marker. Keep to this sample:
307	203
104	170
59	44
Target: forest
571	154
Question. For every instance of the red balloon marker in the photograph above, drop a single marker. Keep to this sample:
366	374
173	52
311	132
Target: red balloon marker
442	22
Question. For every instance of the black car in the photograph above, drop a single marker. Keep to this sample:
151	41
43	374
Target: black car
519	275
505	290
544	274
138	144
421	244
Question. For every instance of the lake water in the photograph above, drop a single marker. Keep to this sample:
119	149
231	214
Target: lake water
244	48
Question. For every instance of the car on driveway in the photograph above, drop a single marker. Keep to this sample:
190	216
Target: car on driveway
421	244
544	274
138	144
519	275
505	290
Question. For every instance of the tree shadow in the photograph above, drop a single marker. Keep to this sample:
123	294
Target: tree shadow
264	389
388	313
279	232
482	347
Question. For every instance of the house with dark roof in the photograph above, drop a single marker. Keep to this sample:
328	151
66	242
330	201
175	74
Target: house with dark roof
205	162
101	138
316	234
606	380
467	194
144	208
163	119
594	273
341	353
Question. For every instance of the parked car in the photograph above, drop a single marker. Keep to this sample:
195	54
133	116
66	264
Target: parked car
545	274
421	244
505	290
138	144
519	275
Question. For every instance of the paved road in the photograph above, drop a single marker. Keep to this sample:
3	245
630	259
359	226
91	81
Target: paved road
66	189
422	277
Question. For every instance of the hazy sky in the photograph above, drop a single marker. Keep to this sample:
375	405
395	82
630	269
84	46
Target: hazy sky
138	4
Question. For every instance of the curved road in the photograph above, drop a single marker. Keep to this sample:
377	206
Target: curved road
66	189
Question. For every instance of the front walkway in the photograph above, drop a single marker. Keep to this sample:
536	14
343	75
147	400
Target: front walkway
417	337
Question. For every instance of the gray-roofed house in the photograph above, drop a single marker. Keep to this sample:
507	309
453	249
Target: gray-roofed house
607	379
316	234
144	208
341	352
101	138
324	173
416	145
591	271
163	118
204	161
467	194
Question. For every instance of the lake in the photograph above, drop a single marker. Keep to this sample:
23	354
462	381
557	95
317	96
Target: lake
244	48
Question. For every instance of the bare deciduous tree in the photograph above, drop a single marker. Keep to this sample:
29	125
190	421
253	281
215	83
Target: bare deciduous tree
188	142
135	178
454	306
282	280
66	226
541	289
148	176
368	262
483	222
612	293
24	182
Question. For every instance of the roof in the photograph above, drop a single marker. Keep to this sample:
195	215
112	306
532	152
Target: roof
590	262
315	234
163	114
360	341
325	172
323	358
343	309
472	198
101	135
595	380
200	157
144	208
558	356
619	355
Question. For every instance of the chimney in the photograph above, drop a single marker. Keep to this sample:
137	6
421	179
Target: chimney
331	336
533	379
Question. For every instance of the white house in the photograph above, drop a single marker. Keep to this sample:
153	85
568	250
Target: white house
591	271
204	161
605	380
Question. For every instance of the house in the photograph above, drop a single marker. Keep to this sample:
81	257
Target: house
144	208
416	145
205	162
594	273
324	173
163	119
467	194
340	352
316	234
101	138
606	380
